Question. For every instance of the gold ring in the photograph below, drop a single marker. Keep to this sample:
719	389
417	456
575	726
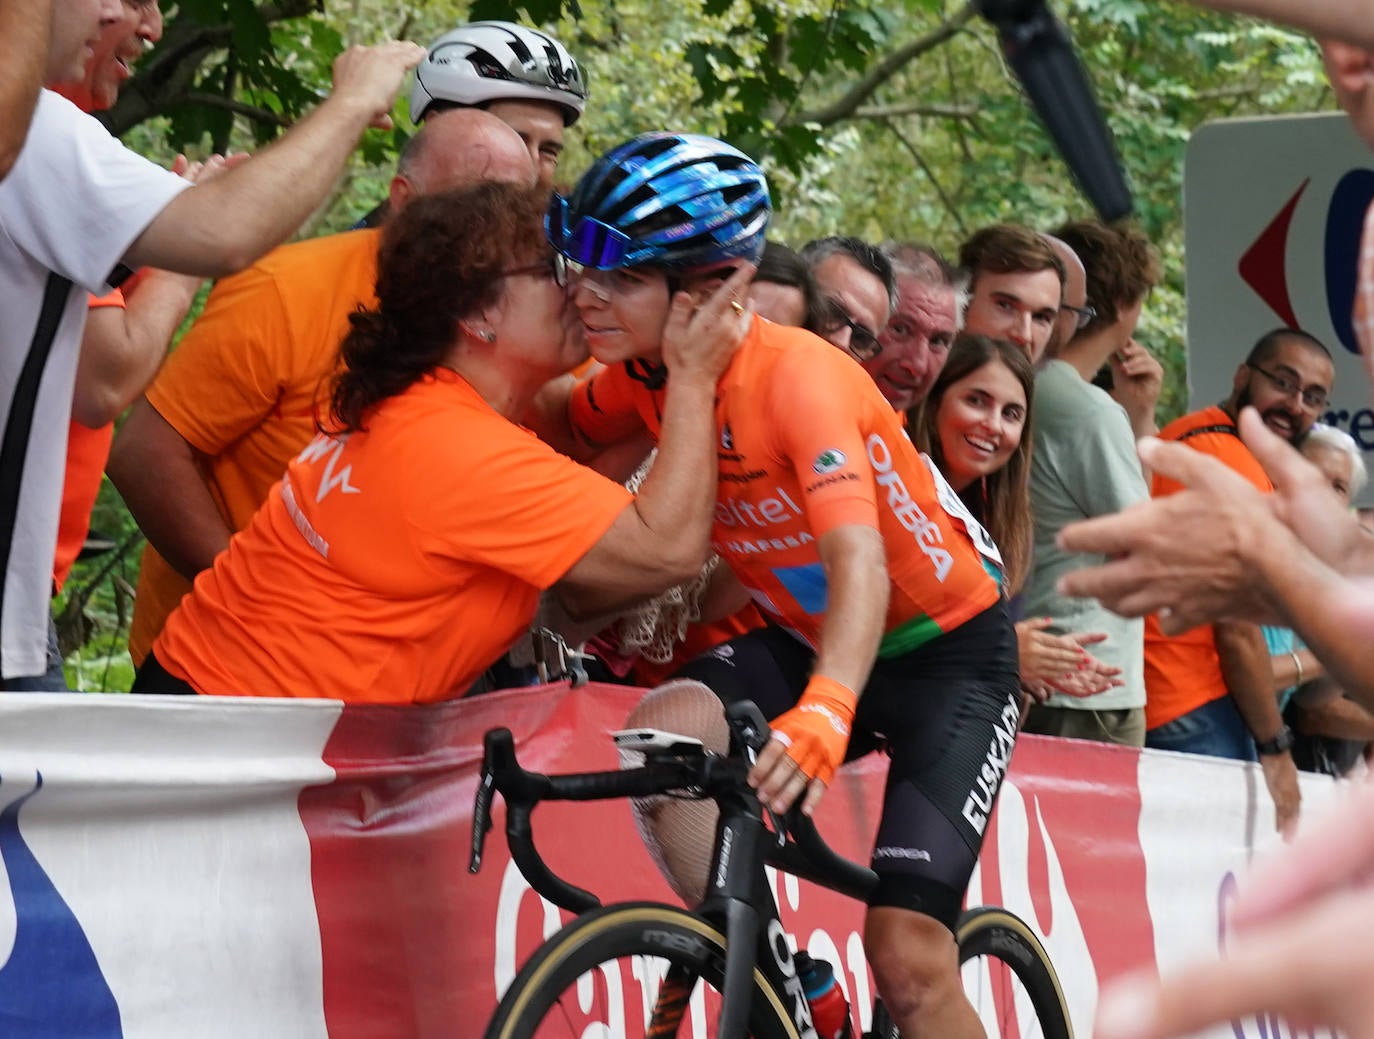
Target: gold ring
737	306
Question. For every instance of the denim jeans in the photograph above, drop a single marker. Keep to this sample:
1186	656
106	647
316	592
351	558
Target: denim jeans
1215	729
53	681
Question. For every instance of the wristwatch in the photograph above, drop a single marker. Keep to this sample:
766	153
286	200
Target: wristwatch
1278	745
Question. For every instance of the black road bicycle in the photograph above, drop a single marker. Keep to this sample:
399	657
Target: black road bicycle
644	969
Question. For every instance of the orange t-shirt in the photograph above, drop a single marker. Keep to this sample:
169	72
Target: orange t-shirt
87	452
807	444
392	565
241	387
1184	672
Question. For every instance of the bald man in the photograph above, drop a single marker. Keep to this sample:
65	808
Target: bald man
237	400
1073	307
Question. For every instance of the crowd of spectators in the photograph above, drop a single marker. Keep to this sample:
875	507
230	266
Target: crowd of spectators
412	357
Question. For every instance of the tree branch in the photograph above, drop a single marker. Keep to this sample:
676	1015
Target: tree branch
849	104
167	75
936	110
920	161
228	104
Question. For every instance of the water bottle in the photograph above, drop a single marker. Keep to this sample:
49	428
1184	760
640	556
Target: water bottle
829	1008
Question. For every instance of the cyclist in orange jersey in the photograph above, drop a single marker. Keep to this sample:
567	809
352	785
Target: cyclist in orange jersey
885	594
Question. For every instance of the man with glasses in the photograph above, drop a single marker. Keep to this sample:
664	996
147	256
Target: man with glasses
1016	286
1084	464
858	292
237	399
1210	690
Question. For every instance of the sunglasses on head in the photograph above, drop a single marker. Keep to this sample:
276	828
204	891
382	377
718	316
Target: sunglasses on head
588	241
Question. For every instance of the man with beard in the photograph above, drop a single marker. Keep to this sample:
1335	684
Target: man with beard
1210	690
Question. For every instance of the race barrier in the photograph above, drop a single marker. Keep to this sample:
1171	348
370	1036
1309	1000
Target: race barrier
175	867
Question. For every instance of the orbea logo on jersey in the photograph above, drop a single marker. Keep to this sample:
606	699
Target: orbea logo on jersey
909	514
727	439
828	461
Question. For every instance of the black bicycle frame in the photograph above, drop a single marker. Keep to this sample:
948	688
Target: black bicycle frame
738	900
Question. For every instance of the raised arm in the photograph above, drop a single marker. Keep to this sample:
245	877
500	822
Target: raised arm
223	226
24	27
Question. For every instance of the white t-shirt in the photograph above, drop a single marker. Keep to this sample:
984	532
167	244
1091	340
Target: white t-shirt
74	202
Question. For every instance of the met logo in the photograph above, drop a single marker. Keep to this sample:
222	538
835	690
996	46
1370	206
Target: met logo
51	986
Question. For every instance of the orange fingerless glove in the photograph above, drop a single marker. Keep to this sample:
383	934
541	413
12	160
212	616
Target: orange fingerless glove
816	731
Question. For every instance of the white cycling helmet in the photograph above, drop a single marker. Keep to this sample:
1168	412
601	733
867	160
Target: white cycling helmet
496	61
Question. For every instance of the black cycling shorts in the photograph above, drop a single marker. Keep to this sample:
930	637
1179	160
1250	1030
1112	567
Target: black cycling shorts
946	713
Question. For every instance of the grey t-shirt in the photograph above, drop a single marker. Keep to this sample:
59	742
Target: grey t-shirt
1084	464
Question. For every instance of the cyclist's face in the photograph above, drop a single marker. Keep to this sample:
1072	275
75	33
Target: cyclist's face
623	312
1021	306
979	422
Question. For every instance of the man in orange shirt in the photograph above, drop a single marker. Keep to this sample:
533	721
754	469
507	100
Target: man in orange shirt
1210	690
237	399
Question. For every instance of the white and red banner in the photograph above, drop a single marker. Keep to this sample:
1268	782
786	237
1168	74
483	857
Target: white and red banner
177	867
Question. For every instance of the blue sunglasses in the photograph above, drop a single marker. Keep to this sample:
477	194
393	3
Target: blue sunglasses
590	242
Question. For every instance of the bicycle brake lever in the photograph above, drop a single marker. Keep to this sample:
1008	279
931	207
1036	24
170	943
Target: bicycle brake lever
779	827
481	814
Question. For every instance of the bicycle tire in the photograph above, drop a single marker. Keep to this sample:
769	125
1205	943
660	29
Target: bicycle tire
689	944
1001	936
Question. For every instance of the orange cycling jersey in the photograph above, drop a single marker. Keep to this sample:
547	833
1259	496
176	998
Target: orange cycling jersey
806	444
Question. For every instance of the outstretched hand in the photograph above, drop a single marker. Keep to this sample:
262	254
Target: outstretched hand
372	77
1183	554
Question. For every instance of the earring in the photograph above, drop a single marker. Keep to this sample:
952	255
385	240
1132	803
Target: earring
488	336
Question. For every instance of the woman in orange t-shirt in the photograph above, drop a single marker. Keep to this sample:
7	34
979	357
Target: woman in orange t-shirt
405	548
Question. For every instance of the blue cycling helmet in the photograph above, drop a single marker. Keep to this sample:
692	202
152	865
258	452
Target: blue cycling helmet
683	202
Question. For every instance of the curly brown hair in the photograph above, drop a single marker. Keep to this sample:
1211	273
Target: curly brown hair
1001	500
440	260
1121	264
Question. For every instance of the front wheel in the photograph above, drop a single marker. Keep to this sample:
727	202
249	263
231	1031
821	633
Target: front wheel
1008	977
638	970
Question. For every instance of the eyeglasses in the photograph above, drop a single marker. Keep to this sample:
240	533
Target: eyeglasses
1083	315
589	242
555	266
863	341
1313	397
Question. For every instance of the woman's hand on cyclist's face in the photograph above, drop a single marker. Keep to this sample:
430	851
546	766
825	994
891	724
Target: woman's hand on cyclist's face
705	327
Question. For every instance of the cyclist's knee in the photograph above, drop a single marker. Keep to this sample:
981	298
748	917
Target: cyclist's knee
914	958
686	707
